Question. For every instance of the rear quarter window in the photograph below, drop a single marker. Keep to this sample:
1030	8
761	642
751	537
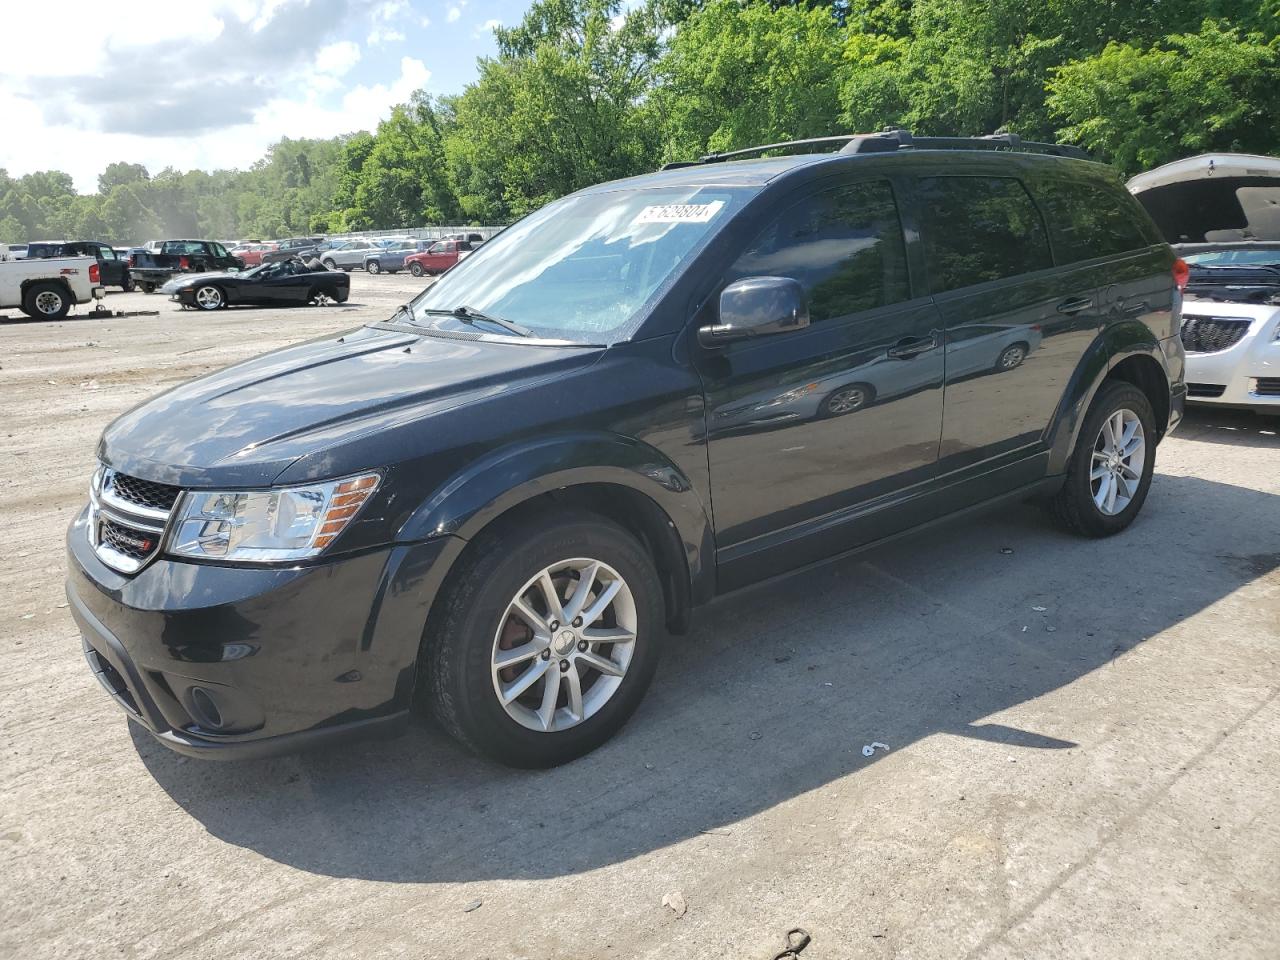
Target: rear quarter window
1091	220
977	229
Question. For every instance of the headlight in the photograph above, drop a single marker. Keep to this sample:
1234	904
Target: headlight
288	523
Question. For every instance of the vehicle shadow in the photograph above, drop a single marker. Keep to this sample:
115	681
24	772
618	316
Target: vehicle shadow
1237	428
774	694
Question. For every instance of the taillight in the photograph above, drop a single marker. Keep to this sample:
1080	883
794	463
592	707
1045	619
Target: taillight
183	263
133	260
1181	273
95	273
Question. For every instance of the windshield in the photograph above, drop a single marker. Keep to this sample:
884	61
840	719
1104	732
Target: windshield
582	268
1234	258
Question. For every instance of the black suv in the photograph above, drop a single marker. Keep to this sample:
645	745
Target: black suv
498	502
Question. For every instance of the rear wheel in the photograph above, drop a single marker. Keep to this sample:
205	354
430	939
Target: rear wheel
46	301
210	297
148	287
1110	469
546	641
415	269
329	264
1011	357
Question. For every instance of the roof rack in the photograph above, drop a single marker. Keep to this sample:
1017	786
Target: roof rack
892	139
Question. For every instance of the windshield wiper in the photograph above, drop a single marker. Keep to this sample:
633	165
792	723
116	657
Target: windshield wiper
469	315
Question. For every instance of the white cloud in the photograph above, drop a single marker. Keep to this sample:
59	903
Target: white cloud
272	68
337	59
425	22
455	14
491	25
381	36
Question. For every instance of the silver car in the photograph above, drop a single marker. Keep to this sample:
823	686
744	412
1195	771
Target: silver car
347	255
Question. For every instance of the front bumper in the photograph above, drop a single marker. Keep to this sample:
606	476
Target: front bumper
236	662
1246	374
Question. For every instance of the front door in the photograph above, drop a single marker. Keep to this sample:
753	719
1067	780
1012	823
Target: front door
110	267
806	425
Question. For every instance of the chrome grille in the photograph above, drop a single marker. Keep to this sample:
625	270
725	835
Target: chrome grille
143	493
1212	334
137	544
127	518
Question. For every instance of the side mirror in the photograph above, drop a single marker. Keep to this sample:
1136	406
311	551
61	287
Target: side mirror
757	307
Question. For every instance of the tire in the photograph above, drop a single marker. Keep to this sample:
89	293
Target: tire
1011	357
46	301
1075	507
210	297
329	264
128	286
461	682
373	267
415	269
148	287
847	399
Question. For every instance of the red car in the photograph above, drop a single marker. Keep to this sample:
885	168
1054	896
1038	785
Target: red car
438	257
251	253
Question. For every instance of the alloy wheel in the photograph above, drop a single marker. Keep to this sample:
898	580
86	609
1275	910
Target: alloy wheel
564	644
1119	459
846	400
209	298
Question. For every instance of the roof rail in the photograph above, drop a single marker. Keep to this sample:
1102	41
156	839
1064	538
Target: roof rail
892	139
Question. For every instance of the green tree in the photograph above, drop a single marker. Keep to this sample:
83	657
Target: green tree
1218	89
740	75
121	173
560	107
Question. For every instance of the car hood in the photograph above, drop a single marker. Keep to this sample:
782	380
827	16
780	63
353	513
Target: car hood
1214	198
245	425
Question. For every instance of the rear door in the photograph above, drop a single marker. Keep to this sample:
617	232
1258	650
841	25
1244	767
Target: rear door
1016	325
1102	230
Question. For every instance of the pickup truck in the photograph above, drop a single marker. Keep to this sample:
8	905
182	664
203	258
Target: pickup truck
114	269
47	289
152	266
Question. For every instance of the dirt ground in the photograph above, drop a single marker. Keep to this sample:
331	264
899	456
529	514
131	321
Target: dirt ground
1083	740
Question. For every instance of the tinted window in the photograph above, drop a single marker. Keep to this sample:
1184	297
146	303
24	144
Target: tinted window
844	246
978	229
1090	221
106	253
219	250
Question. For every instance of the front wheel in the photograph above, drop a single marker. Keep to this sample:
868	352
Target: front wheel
1011	357
546	640
373	266
329	264
148	287
415	269
1110	470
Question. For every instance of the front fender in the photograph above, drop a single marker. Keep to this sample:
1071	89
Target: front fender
1115	343
472	499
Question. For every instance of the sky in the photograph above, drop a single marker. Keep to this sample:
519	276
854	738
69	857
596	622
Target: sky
212	83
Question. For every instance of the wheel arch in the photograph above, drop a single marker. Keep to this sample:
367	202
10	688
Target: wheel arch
628	482
1126	351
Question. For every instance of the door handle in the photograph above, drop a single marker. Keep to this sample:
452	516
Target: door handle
909	347
1132	309
1075	305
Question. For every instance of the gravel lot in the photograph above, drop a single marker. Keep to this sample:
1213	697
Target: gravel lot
1084	740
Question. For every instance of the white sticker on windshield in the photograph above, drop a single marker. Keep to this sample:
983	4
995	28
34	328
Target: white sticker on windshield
680	212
